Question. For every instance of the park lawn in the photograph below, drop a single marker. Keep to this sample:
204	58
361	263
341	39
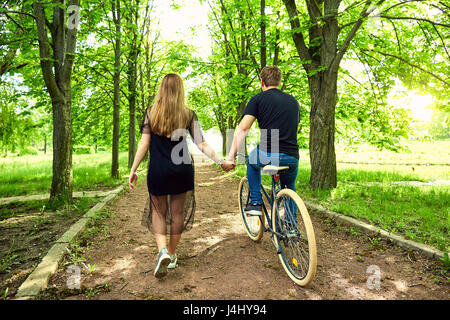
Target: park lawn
29	175
40	207
28	229
424	161
418	153
418	213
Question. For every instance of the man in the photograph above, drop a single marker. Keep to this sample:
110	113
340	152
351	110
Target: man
278	117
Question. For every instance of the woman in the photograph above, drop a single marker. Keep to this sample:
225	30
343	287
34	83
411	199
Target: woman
170	177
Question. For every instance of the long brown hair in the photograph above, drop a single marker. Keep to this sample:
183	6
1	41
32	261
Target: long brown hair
169	111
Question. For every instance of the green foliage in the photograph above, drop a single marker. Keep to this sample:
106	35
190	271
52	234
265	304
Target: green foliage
19	127
439	127
8	259
5	293
82	149
90	172
28	151
446	262
361	117
404	43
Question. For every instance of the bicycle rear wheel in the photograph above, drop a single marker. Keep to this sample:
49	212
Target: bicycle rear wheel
295	239
253	225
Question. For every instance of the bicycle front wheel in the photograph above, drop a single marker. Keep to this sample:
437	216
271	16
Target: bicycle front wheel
294	237
253	225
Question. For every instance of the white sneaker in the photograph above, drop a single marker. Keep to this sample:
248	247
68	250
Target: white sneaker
253	210
161	265
173	261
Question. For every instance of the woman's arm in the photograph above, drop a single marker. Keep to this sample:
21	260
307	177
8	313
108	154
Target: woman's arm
209	152
143	146
197	137
239	135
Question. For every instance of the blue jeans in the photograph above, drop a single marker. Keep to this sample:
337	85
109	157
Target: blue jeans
258	159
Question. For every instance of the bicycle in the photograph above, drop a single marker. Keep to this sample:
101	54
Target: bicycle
291	233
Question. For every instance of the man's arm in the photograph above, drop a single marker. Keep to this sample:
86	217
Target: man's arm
239	136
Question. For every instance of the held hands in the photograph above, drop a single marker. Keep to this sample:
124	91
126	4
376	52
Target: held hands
228	165
133	178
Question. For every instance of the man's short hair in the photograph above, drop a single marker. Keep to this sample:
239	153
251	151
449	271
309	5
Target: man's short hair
271	76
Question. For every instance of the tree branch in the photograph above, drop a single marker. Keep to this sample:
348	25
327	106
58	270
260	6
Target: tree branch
442	40
396	36
44	52
69	55
410	64
417	19
351	6
401	3
15	22
297	36
227	43
19	12
364	63
364	13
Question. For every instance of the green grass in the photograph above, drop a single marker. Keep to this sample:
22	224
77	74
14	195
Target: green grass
13	209
424	161
8	259
33	174
389	172
421	153
418	213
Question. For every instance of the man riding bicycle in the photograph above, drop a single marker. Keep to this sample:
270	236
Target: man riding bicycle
278	115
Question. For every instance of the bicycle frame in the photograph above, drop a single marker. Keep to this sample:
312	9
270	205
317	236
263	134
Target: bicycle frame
275	188
299	262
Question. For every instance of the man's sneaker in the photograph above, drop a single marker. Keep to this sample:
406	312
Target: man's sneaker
163	262
253	209
173	261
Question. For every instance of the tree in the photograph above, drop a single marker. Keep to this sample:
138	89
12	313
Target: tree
236	39
117	19
321	57
57	59
134	40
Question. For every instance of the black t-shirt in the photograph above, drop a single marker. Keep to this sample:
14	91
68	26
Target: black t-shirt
275	109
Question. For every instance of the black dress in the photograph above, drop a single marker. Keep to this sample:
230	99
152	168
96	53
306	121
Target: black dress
171	169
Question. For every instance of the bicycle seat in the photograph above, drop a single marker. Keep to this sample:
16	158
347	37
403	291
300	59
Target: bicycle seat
271	170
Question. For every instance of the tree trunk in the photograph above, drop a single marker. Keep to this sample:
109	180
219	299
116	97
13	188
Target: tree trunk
321	63
57	62
116	99
62	179
322	127
263	35
132	129
223	132
132	84
276	51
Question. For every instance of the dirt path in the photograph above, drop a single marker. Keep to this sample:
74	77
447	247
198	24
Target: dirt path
218	261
